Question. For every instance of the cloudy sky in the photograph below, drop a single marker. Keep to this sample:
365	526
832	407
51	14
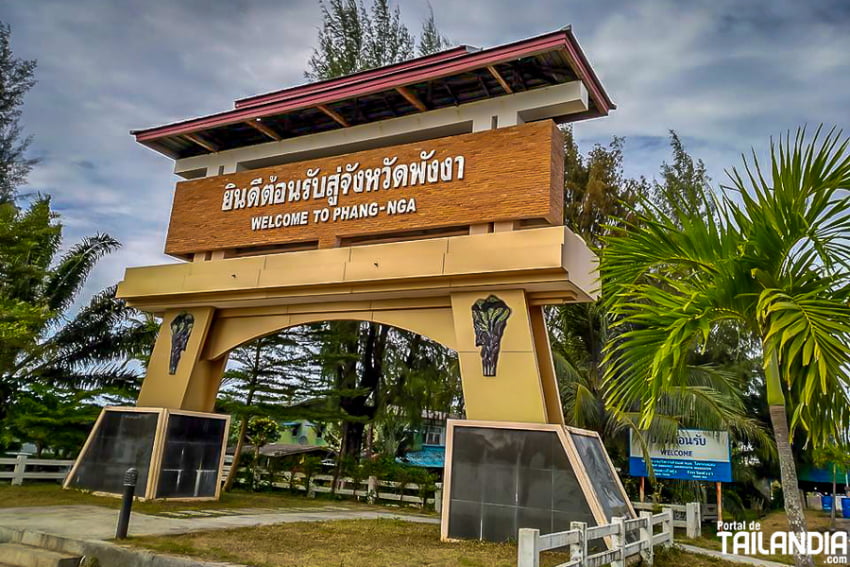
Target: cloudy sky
725	74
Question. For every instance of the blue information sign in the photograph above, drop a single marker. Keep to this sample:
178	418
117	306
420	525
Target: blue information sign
696	455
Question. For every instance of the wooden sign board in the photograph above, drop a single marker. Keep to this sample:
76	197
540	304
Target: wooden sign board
507	174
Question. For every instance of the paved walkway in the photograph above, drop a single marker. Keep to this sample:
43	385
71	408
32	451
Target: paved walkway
98	523
739	559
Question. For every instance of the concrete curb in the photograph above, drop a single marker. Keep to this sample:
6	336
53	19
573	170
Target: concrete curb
107	554
740	559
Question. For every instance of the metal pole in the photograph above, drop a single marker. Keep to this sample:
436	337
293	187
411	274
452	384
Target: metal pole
130	478
719	504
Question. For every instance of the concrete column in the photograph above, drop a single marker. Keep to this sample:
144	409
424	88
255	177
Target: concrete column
515	393
646	553
20	469
694	523
195	381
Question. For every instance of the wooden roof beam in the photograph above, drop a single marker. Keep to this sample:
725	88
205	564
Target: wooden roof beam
334	115
207	145
257	124
498	77
411	98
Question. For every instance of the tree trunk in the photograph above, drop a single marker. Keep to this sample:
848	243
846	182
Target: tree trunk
788	475
352	440
363	405
237	455
243	426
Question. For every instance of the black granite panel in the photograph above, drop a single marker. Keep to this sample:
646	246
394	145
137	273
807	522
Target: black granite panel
506	479
190	463
601	475
124	439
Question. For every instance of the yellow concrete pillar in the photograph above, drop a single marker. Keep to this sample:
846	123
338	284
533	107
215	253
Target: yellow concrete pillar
177	376
516	392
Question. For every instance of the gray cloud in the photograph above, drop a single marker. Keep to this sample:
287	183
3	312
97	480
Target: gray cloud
725	74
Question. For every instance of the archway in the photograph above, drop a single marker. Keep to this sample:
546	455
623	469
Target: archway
373	380
481	295
434	296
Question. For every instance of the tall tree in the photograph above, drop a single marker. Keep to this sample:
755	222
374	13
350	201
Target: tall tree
353	38
388	40
596	196
683	182
774	259
340	41
431	40
17	77
41	340
353	355
596	193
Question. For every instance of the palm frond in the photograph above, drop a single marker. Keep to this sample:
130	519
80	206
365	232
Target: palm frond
74	267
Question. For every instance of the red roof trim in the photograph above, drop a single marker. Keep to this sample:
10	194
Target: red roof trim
362	76
377	80
586	73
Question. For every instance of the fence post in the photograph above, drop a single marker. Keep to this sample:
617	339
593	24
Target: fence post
618	542
372	489
578	550
20	469
438	498
694	523
667	525
528	554
647	554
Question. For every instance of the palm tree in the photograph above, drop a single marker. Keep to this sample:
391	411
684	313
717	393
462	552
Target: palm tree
45	342
772	261
596	196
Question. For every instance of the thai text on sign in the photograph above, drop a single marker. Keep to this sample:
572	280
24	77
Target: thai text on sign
350	178
507	174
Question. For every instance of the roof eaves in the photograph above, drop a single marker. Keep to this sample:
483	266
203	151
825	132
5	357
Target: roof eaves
362	76
386	78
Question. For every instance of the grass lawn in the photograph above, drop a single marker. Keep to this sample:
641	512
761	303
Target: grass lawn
362	543
775	521
50	494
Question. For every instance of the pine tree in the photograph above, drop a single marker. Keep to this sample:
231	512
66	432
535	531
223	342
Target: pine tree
431	41
341	41
682	182
16	79
353	38
387	39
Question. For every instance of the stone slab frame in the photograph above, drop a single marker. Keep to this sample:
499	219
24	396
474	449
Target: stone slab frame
590	486
154	469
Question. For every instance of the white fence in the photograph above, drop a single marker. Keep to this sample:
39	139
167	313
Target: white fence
369	488
620	546
687	516
24	467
